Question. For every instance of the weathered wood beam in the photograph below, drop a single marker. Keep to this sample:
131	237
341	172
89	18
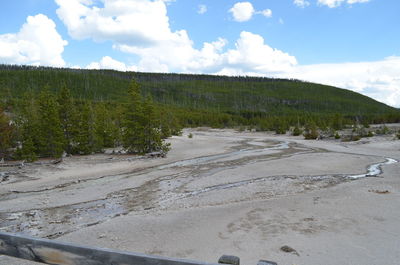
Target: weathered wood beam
58	253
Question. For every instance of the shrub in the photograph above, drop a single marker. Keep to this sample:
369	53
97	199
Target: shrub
190	135
297	131
311	132
337	135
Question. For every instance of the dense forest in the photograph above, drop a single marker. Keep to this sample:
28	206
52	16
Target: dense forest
45	112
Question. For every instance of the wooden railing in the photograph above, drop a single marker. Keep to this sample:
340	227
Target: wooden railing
58	253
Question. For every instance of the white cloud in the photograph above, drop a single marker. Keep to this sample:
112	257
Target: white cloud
37	43
301	3
202	9
109	63
337	3
250	55
141	27
266	12
357	1
242	11
330	3
379	80
253	55
139	22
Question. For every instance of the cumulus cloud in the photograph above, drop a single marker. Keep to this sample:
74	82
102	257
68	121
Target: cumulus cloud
301	3
37	43
336	3
109	63
202	9
266	12
141	27
244	11
252	54
139	22
379	80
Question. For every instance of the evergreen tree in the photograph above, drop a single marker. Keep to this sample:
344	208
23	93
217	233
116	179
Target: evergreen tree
6	134
142	133
87	141
311	131
27	151
297	131
105	128
27	122
133	133
51	136
152	130
337	122
68	118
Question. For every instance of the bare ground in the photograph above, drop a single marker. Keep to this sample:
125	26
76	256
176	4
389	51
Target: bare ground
222	192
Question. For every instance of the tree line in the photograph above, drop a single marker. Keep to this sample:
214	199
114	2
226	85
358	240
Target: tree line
50	124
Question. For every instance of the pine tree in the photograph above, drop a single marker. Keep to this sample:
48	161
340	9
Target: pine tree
68	118
51	136
87	141
105	128
27	123
6	134
27	151
133	134
297	131
142	132
152	130
311	131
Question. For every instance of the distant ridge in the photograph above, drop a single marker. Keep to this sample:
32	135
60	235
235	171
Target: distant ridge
240	99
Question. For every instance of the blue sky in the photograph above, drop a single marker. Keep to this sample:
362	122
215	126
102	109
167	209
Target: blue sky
353	44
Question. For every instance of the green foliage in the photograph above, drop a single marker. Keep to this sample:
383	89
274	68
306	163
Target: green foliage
337	122
6	135
383	130
27	151
51	137
68	117
337	135
190	135
93	113
280	126
202	100
87	142
142	133
311	131
398	135
106	128
297	131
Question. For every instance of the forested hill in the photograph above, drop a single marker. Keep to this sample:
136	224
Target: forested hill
202	99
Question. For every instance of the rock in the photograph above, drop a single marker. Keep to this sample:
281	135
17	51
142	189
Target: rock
288	249
228	259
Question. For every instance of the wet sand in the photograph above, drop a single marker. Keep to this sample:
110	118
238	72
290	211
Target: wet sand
221	192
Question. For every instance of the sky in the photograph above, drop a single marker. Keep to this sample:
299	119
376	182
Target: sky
352	44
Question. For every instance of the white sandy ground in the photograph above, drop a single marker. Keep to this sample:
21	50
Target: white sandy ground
180	207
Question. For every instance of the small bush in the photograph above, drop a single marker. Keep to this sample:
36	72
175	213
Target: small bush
337	135
190	135
311	132
383	130
297	131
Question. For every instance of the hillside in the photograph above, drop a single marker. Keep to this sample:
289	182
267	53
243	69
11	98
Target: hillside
201	99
